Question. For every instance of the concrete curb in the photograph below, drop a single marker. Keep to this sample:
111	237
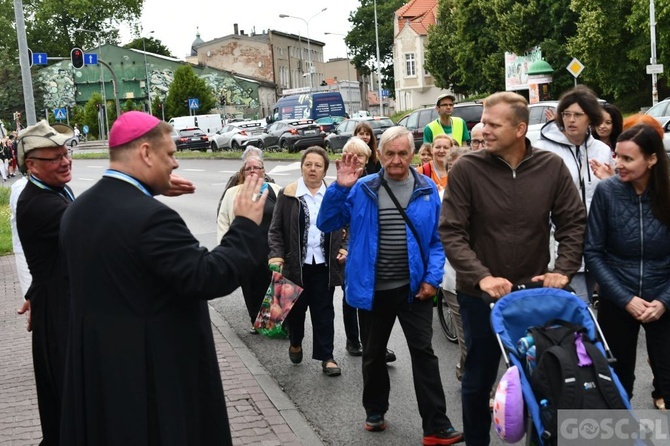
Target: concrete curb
289	412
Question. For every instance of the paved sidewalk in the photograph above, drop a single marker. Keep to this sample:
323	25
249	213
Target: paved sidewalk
260	412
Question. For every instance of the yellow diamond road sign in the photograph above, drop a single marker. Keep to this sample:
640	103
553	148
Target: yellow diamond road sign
575	67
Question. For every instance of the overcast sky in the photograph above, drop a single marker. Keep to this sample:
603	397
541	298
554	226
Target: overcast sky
175	22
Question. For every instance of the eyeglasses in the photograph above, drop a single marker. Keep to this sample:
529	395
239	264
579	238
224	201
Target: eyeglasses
53	161
476	142
253	168
570	115
448	104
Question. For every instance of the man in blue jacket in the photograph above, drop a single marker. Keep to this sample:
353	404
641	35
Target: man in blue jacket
392	270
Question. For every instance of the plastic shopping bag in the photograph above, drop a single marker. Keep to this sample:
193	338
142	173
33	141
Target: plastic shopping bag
279	299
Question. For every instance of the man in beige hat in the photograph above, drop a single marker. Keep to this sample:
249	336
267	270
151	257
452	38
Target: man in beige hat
41	149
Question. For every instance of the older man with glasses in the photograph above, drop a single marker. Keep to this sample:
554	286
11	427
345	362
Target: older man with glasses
42	152
477	137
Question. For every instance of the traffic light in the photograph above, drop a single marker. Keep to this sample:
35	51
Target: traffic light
77	58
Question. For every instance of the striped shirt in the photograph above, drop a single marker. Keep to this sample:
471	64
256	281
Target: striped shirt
392	269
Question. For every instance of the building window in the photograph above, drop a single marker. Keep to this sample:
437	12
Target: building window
410	65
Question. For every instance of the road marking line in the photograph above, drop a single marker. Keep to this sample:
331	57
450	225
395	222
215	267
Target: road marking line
193	170
292	166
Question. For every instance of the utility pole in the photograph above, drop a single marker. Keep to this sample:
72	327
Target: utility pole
379	69
654	75
26	79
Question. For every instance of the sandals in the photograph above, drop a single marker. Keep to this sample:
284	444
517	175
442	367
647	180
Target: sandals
331	371
659	403
295	354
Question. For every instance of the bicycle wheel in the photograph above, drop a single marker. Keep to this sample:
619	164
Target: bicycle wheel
446	319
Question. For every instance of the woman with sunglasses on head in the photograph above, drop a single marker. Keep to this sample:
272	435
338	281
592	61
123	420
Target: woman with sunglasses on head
569	136
255	283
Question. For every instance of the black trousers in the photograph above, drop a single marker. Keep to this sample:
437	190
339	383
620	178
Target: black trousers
318	297
480	369
621	331
416	320
254	286
350	319
48	340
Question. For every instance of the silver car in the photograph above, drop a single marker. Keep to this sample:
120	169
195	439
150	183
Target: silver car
232	136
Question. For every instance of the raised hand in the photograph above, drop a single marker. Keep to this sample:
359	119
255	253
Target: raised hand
347	172
249	202
179	186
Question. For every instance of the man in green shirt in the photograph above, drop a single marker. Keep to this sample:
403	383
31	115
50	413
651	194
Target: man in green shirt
445	123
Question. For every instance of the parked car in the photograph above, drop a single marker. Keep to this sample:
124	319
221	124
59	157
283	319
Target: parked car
291	135
416	121
339	137
329	123
191	139
72	142
666	138
233	136
537	118
660	111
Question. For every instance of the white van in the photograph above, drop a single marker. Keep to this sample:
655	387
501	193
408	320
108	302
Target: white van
207	123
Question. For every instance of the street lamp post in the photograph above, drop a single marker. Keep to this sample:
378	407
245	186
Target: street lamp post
654	76
309	49
147	83
102	83
379	70
348	75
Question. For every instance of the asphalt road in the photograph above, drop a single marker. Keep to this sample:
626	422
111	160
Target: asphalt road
331	405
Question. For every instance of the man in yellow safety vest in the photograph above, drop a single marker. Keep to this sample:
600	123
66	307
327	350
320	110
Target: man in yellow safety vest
445	123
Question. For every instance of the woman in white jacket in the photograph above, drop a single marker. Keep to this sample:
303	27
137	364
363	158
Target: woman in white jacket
569	136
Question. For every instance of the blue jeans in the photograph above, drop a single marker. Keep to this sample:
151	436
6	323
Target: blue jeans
480	369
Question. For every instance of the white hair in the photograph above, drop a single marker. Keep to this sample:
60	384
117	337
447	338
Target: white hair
393	133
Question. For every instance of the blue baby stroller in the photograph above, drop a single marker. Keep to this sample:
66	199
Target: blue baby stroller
511	317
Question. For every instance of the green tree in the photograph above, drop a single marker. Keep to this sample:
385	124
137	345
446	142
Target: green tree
51	24
187	85
362	43
130	105
462	52
11	93
597	44
90	114
150	44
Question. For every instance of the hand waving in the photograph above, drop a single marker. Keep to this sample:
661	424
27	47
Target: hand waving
347	172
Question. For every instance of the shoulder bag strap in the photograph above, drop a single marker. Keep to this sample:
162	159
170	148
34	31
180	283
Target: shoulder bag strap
404	215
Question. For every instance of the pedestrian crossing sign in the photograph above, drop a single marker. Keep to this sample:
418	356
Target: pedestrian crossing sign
193	104
59	114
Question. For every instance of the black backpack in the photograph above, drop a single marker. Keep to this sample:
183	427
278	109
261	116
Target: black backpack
559	382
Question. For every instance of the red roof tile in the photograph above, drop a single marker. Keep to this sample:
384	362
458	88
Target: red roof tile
420	14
